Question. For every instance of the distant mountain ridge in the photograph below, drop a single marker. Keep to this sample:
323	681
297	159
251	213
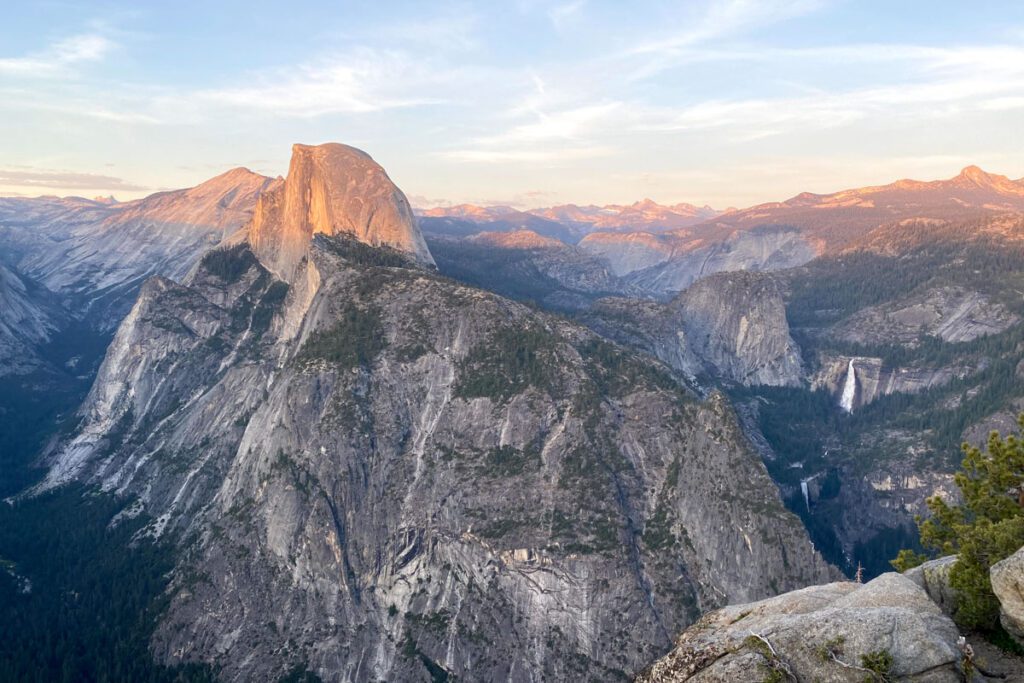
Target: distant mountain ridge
780	235
74	262
98	253
837	218
70	270
972	188
578	220
646	214
662	249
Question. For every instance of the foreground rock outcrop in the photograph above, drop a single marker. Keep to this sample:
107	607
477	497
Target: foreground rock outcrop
1007	578
833	633
933	577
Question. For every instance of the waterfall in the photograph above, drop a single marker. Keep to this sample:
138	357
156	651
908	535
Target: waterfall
803	490
849	389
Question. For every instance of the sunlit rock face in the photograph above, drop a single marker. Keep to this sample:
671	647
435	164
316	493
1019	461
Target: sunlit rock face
835	221
94	256
335	190
518	239
161	234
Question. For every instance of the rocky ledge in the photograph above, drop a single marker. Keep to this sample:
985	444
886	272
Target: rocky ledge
887	629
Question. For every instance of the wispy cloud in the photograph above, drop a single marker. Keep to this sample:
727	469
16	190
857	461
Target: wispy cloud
548	156
1003	103
58	57
992	58
449	31
65	180
946	82
927	82
566	124
545	136
569	112
116	109
722	18
419	201
417	65
582	86
529	199
562	13
365	81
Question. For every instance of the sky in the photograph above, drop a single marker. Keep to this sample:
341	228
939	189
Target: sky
526	103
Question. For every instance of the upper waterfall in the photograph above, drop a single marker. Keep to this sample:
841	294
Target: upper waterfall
849	388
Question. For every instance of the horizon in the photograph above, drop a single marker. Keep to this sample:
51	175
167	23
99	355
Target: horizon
726	103
527	209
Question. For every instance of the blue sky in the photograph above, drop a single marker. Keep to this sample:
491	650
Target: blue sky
528	102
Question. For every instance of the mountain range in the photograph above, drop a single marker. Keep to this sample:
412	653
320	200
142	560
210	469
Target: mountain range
662	249
406	466
849	212
379	444
567	222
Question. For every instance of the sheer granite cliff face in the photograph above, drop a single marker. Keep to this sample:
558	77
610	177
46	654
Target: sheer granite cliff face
727	326
737	323
379	474
28	317
332	189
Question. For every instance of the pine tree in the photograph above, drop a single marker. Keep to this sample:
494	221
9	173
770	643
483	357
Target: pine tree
986	527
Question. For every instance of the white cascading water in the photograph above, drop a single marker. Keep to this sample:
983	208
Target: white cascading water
803	489
849	389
